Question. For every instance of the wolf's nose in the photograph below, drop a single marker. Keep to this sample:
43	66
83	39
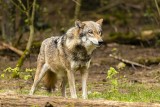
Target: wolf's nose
100	42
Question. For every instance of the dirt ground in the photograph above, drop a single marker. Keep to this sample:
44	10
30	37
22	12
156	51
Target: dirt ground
101	62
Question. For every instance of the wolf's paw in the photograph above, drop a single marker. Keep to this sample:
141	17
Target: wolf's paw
30	93
74	97
85	96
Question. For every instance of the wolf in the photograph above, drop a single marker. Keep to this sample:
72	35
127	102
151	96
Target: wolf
60	57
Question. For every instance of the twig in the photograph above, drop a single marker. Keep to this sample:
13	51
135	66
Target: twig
76	1
18	7
19	52
22	4
129	62
29	7
156	3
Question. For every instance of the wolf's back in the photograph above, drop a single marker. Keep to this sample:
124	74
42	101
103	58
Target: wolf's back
47	46
47	52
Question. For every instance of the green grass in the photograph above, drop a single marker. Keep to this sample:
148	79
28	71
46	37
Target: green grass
26	92
39	92
125	92
130	93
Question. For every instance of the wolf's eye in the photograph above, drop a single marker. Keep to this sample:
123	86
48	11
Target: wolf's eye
99	32
90	31
70	37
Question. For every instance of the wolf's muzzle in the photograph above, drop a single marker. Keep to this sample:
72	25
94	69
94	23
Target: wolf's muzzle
100	43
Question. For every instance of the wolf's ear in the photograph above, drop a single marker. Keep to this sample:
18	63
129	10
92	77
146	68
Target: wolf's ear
79	24
100	21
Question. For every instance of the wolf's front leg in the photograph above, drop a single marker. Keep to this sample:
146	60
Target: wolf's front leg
63	86
71	81
84	84
40	76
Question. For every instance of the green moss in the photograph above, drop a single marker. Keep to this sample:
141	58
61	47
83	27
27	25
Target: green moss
22	58
149	60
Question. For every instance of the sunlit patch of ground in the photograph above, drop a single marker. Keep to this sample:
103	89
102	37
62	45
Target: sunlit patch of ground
135	84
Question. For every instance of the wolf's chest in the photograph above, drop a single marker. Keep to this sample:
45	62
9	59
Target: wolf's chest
80	54
77	65
80	57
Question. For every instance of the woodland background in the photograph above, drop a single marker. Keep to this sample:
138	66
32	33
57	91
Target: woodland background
124	20
131	31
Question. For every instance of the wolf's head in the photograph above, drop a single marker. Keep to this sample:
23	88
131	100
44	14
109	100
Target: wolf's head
90	32
87	33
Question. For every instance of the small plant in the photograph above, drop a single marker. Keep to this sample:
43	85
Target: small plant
34	106
111	75
121	66
16	73
29	73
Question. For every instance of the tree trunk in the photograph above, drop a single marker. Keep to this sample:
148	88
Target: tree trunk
44	101
77	9
8	20
31	37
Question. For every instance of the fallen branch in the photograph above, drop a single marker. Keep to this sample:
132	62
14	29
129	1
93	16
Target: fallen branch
2	47
7	46
129	62
14	100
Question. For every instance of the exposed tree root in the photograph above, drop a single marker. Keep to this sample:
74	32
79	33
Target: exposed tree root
44	101
7	46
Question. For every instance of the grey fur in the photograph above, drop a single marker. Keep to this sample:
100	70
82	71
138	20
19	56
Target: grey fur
66	54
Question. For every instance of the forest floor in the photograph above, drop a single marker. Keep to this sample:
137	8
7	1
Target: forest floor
97	82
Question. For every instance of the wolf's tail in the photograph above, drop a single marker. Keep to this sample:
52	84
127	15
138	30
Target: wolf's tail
50	80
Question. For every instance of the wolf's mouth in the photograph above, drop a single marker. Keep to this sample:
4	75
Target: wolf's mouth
94	41
99	43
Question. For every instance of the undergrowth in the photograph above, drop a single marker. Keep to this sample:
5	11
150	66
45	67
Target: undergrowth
117	89
125	91
130	93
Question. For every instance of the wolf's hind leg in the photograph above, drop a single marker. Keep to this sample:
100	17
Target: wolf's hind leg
63	86
50	80
38	70
38	79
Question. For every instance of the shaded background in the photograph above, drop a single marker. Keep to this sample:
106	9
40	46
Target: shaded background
124	20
